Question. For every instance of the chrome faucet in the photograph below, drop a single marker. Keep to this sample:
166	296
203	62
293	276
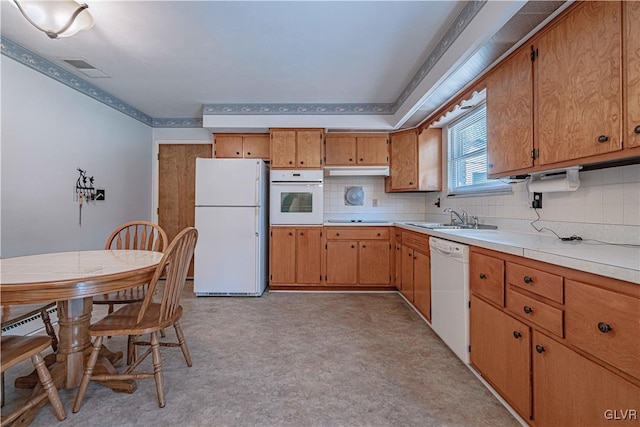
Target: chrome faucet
463	218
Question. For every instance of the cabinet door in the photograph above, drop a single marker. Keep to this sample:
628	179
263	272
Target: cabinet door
430	160
308	255
373	262
340	150
422	284
256	147
632	65
578	84
407	272
398	261
500	350
342	262
404	162
569	389
282	251
228	146
283	149
486	277
309	149
509	115
373	150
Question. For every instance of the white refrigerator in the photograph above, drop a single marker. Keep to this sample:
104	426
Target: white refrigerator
231	254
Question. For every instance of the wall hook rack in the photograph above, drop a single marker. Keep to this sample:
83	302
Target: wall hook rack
84	191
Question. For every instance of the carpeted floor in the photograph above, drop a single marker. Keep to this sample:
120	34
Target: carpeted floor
295	359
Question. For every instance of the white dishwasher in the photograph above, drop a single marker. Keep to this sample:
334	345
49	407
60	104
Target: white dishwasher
450	294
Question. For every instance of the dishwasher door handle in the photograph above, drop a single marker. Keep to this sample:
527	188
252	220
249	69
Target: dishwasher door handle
434	248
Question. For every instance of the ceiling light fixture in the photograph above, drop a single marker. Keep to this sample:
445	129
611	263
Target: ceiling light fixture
68	16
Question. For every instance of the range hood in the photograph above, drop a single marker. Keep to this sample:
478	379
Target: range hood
356	171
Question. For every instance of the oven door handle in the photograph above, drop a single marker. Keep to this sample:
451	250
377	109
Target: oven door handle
296	183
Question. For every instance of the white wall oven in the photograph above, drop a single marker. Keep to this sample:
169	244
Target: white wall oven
296	197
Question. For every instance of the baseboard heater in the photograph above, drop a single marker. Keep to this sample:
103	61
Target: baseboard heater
31	325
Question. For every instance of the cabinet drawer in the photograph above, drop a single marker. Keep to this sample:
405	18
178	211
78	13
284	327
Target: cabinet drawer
605	324
535	311
539	282
486	277
416	241
363	233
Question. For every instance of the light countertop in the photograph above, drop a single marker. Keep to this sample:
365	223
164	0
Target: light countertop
619	262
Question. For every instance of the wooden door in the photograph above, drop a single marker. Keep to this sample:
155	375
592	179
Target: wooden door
227	146
256	147
282	255
339	150
579	85
407	272
632	68
177	186
510	115
373	262
283	149
308	255
404	162
422	284
342	262
373	150
500	350
309	149
569	389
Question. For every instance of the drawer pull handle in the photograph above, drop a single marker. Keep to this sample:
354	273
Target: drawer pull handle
528	309
517	334
527	279
603	327
603	138
539	348
483	276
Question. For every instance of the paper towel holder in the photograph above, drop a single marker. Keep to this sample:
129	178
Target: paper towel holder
554	180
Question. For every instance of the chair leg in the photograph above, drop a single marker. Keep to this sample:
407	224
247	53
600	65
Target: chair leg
2	402
91	363
183	343
157	368
49	386
49	328
131	349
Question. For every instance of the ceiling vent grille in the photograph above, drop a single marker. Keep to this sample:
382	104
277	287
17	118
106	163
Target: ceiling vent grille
85	68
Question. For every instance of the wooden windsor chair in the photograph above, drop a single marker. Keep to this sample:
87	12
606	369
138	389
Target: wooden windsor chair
147	317
14	349
141	235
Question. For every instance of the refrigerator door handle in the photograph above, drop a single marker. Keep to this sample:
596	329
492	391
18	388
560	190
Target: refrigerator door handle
257	192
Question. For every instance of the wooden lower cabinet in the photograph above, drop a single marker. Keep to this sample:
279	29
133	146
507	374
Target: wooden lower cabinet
295	255
569	389
416	279
358	256
407	272
501	351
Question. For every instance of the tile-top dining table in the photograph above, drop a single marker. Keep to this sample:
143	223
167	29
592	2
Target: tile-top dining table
72	279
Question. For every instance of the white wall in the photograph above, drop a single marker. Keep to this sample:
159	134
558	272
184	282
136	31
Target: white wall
48	131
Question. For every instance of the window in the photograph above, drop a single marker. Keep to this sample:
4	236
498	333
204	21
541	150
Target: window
468	155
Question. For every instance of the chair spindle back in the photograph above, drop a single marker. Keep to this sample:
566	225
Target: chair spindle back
140	235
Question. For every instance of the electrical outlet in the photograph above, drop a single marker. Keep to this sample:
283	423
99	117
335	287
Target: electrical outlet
537	201
374	203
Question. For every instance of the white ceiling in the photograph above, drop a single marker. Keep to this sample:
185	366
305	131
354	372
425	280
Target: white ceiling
169	58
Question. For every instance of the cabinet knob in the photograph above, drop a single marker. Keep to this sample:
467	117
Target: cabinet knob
603	138
603	327
378	234
637	129
290	162
527	279
351	159
517	334
411	183
238	153
539	348
248	153
337	234
361	159
290	234
490	165
483	276
302	233
353	246
364	246
301	162
528	309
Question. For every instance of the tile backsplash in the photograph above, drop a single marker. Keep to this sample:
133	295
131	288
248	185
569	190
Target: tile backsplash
398	206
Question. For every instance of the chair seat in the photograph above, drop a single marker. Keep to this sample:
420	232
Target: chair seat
15	313
16	348
123	321
125	296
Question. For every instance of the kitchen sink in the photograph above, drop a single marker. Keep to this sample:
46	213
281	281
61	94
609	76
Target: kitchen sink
438	226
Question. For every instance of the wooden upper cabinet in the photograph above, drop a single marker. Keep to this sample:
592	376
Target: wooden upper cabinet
357	149
632	77
296	148
404	160
579	84
510	115
242	146
430	160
